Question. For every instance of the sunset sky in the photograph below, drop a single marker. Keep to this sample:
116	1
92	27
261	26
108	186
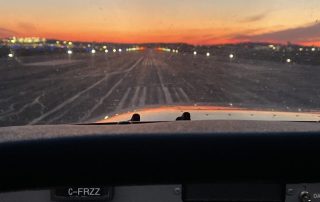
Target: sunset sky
190	21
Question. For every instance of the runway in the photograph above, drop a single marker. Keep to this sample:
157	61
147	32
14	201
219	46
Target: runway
84	87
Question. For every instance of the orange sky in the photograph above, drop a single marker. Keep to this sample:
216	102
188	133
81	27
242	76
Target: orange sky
190	21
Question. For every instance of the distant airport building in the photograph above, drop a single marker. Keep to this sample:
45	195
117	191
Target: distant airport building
24	40
259	47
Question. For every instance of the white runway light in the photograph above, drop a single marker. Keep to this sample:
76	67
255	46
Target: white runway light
289	60
69	52
10	55
114	50
120	50
93	51
106	51
231	56
194	52
208	54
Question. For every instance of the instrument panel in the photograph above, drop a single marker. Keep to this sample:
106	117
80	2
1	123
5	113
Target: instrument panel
236	192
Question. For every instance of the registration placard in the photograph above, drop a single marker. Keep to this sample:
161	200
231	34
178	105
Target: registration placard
82	194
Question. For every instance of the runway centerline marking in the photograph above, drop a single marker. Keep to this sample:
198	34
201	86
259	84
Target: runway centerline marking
134	99
167	95
176	94
123	100
159	93
142	99
184	94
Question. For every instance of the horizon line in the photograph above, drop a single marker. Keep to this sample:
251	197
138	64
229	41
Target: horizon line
171	43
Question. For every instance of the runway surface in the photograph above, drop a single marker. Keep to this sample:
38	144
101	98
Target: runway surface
83	87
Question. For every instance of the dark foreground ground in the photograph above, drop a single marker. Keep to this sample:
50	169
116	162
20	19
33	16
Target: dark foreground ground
84	87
